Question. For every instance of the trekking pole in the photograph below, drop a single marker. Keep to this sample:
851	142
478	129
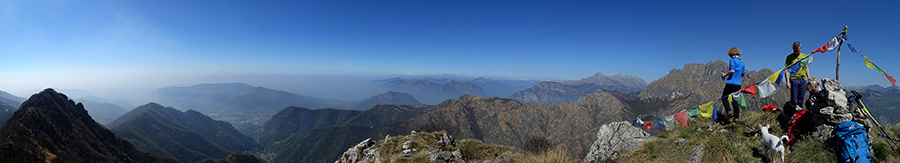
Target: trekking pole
890	143
889	137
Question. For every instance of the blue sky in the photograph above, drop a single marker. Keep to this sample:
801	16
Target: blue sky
91	44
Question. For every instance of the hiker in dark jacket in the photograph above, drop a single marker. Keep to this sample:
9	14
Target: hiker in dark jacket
732	83
816	97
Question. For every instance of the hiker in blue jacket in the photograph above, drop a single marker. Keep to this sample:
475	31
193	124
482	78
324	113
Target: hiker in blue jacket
732	83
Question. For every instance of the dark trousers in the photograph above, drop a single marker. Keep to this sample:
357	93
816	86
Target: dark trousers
732	106
798	92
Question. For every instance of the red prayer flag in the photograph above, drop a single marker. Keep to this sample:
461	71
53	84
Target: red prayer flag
891	78
750	89
681	117
827	47
648	125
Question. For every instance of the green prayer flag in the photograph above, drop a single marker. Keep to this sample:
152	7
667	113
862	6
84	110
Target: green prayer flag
693	112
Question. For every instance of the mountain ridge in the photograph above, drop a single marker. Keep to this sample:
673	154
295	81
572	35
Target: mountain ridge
571	90
388	98
188	136
430	92
61	131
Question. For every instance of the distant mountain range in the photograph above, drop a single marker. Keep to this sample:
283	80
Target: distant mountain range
388	98
502	87
103	113
6	110
249	107
245	106
571	90
121	103
883	105
619	82
430	92
187	136
51	128
10	100
873	87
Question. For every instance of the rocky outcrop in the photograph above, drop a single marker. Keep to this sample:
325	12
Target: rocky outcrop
830	109
697	155
362	152
431	146
613	138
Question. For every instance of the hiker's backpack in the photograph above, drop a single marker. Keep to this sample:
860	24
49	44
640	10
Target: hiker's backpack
852	143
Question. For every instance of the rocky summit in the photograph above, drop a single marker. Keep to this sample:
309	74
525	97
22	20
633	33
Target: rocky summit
49	127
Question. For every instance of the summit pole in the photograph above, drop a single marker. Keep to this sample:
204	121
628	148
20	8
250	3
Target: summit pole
837	66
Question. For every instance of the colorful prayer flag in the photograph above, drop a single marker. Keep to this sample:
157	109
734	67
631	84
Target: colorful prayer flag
794	68
828	46
765	89
638	122
776	77
707	110
715	112
750	89
648	125
659	124
670	122
852	49
681	117
693	112
870	65
892	79
736	96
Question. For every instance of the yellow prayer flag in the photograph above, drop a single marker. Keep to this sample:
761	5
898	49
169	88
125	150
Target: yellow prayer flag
706	110
869	63
774	77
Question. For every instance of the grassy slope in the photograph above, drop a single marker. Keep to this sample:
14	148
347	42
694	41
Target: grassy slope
734	146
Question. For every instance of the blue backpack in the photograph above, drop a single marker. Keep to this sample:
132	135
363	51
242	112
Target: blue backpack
853	145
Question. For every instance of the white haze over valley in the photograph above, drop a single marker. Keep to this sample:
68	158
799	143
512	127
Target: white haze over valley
137	88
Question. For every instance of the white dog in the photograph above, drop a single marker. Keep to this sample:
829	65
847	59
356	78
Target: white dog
772	143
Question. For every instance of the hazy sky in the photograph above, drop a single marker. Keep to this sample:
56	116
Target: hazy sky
151	44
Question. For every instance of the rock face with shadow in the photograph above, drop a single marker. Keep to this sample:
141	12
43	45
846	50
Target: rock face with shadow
49	127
